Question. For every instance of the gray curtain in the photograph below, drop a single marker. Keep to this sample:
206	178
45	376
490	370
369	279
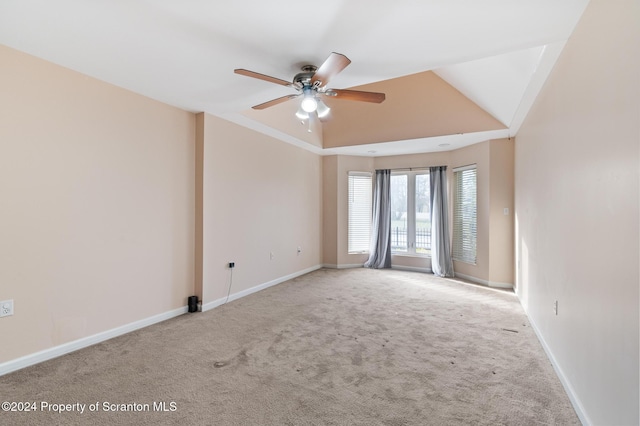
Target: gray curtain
441	263
380	247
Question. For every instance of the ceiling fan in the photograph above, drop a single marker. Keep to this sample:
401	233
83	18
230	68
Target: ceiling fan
311	84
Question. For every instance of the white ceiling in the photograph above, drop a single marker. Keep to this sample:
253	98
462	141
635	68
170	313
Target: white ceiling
496	52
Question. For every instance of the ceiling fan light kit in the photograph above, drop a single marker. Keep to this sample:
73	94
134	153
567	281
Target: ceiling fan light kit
302	114
311	84
323	109
309	102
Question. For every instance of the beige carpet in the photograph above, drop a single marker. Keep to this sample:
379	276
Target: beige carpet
333	347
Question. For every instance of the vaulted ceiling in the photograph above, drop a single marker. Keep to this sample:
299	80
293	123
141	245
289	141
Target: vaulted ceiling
455	72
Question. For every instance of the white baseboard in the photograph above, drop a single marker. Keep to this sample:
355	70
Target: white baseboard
343	266
330	266
215	303
494	284
47	354
575	401
411	269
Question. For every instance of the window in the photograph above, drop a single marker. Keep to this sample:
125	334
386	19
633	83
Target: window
465	214
410	213
359	212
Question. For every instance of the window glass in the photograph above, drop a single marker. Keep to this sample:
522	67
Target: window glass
410	213
399	213
423	215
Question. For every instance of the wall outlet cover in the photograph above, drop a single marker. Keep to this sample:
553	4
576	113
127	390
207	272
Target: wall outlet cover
6	308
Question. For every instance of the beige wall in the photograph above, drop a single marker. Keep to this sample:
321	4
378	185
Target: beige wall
501	212
495	191
417	106
577	186
259	196
494	160
335	216
330	210
97	210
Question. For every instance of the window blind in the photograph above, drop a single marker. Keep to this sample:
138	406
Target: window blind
359	225
465	215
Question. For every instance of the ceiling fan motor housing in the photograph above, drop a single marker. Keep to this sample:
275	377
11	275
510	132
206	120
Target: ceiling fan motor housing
304	78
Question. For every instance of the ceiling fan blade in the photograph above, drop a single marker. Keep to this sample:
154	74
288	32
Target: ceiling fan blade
262	77
274	102
356	95
331	67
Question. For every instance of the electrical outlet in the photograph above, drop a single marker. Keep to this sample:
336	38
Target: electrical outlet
6	308
271	255
555	307
299	250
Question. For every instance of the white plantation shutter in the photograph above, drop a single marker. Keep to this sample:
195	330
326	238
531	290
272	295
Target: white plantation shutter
465	214
359	211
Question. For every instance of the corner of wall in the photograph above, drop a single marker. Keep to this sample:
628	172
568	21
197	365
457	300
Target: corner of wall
199	208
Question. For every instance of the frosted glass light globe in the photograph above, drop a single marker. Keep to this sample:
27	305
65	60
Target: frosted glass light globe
309	104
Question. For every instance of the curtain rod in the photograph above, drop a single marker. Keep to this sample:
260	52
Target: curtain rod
408	168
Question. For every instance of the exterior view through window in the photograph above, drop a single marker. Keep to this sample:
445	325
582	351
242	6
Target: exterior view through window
410	213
